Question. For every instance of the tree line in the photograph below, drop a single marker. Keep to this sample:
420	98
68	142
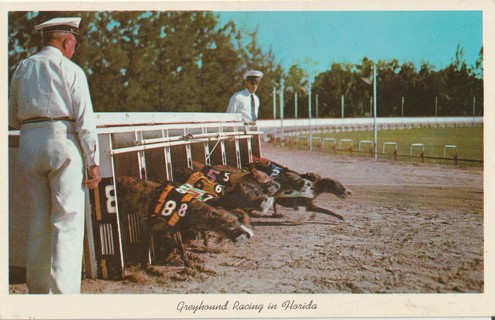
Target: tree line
186	61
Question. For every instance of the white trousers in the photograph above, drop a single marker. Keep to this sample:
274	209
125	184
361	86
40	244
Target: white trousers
53	166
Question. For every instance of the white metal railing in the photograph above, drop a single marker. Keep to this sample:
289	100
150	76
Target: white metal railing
328	139
417	145
389	143
109	119
292	124
361	142
345	141
447	146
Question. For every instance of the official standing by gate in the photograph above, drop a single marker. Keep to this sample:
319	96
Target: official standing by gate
50	102
246	101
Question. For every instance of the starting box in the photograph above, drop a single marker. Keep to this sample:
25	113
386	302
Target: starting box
143	145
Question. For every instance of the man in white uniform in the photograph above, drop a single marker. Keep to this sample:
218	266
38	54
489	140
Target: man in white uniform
50	102
246	101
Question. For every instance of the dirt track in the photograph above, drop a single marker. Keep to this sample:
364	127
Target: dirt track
409	228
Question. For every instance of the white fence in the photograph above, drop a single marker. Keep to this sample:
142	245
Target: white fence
280	128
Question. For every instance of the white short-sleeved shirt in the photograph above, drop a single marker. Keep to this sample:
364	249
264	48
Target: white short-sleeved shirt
240	102
47	84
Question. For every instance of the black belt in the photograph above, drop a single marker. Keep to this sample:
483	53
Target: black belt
33	120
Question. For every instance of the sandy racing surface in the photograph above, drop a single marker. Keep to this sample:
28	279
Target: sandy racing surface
408	228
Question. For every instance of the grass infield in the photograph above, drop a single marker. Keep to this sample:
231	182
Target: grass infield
468	142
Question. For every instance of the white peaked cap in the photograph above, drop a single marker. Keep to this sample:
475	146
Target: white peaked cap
253	73
72	22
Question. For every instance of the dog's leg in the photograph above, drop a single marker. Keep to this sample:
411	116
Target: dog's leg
181	248
205	238
275	212
314	208
146	245
242	216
